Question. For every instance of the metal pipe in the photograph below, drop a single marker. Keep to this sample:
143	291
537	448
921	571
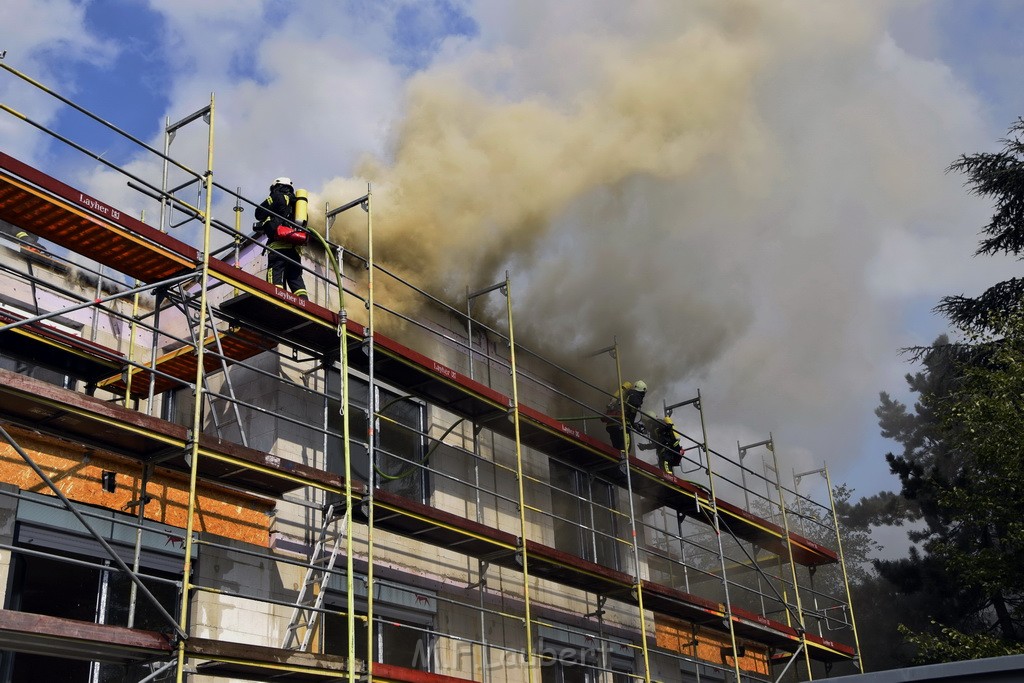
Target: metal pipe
716	524
158	672
86	304
345	207
792	565
842	563
501	285
373	434
163	176
469	331
94	117
197	411
137	556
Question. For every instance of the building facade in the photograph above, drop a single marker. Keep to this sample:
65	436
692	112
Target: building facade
206	478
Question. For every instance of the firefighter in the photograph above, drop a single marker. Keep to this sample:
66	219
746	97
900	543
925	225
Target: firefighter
664	438
27	238
631	396
283	257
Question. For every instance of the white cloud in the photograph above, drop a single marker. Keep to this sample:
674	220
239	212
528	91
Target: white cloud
47	32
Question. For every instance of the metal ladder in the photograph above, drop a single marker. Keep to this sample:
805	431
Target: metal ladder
310	601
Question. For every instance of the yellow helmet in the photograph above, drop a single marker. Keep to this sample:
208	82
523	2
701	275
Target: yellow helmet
668	420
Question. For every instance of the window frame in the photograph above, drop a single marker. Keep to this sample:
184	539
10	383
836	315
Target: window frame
385	612
360	459
596	540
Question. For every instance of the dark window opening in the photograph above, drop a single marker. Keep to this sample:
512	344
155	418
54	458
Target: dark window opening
564	663
567	672
395	641
584	510
401	447
36	371
52	587
68	575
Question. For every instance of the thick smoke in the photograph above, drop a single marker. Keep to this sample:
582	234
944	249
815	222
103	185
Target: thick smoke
711	185
559	190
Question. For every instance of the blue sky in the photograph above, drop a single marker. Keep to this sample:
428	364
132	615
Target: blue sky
751	197
135	68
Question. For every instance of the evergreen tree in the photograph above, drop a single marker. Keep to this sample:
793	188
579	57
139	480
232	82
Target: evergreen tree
961	468
926	466
960	472
999	175
984	418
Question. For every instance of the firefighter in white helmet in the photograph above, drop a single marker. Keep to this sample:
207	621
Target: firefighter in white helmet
275	217
630	397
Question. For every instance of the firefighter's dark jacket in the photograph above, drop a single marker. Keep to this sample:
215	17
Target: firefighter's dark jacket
282	203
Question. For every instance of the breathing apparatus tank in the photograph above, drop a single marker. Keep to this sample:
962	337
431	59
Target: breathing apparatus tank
301	207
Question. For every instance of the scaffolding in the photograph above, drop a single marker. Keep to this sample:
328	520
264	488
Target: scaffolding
412	486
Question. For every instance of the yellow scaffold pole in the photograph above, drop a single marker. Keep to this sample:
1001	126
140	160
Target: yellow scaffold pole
842	563
792	564
197	409
519	481
637	579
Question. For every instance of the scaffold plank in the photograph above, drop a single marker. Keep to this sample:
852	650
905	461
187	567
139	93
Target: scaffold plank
45	407
46	207
302	323
439	384
50	347
70	639
178	368
473	539
390	673
260	663
751	625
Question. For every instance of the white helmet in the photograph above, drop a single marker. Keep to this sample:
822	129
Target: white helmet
282	181
640	386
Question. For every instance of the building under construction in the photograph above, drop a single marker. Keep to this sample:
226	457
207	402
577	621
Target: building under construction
206	478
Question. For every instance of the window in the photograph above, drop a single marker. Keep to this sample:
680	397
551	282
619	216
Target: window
574	657
401	446
50	585
395	641
38	359
696	672
570	672
567	672
23	367
403	619
584	515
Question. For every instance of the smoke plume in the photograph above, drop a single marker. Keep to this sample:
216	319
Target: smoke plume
708	184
